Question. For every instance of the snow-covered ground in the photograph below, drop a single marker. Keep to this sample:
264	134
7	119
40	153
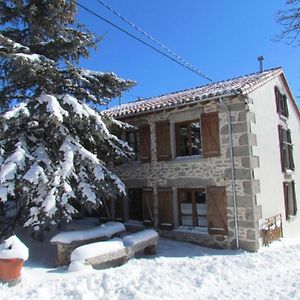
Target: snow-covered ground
178	271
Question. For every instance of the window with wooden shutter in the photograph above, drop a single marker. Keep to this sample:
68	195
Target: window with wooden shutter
290	202
163	148
217	210
148	207
145	143
281	103
286	149
210	134
165	208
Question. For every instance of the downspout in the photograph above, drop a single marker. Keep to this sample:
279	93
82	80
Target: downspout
236	229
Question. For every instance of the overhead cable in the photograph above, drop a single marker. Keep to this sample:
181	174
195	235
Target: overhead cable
154	40
140	40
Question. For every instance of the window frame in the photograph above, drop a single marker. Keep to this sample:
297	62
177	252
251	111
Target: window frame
281	103
189	134
290	201
136	142
286	149
194	214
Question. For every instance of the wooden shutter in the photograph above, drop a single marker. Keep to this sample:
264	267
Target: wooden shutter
165	208
277	98
119	209
281	147
148	207
145	143
217	210
163	141
286	200
290	151
285	106
294	198
210	134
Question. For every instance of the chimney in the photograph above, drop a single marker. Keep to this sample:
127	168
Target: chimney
261	66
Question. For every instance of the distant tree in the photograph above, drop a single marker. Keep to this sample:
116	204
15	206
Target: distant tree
290	20
55	148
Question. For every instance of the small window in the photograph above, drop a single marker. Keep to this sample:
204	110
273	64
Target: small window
281	103
286	149
290	199
188	138
192	207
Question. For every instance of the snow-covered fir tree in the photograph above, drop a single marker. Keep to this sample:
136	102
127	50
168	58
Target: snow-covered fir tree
55	148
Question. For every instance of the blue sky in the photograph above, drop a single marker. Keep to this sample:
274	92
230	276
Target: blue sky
221	38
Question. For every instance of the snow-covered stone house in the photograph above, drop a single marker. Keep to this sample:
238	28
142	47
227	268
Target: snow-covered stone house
216	165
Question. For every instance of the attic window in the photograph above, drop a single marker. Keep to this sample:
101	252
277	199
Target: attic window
281	103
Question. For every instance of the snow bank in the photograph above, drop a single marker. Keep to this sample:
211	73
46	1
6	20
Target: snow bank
96	249
139	237
13	248
179	271
107	230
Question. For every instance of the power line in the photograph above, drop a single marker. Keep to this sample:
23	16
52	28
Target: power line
154	40
140	40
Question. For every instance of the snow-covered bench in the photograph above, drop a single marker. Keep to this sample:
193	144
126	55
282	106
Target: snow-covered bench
115	251
143	240
67	241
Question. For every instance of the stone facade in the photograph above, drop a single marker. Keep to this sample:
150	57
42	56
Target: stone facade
199	172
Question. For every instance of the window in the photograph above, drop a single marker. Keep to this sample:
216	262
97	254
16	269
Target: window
281	103
289	199
188	138
132	138
192	207
286	149
139	140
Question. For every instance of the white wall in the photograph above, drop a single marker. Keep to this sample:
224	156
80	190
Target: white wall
269	173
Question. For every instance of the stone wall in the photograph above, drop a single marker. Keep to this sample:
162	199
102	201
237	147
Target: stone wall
199	172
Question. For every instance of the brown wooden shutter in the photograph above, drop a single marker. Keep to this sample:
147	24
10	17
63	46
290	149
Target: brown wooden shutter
294	198
217	210
148	207
163	141
277	98
145	143
210	134
165	208
281	147
119	209
286	200
290	151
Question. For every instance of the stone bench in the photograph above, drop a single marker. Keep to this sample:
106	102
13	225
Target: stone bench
116	251
67	241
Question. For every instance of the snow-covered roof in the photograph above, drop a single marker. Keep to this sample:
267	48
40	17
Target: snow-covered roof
236	86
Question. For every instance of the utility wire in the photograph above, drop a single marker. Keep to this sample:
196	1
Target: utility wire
154	40
140	40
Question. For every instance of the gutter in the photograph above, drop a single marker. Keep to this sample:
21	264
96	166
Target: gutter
236	229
